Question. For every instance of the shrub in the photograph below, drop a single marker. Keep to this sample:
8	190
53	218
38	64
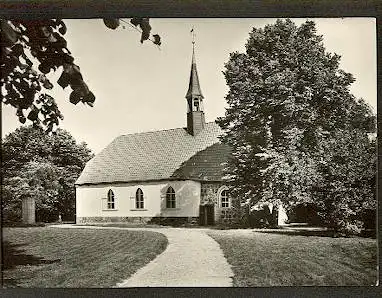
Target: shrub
346	228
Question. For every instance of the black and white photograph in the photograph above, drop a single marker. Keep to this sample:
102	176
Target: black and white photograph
189	152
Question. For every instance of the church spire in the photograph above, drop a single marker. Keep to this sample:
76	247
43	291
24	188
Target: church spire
194	86
194	96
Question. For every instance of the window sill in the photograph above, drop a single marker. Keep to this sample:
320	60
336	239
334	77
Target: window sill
172	209
109	209
138	209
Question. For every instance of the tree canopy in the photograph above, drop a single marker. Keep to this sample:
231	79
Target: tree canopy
44	167
294	126
31	49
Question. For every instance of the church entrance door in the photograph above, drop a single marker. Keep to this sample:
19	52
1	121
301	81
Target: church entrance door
206	215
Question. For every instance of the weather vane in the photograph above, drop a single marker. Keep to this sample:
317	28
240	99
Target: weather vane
193	36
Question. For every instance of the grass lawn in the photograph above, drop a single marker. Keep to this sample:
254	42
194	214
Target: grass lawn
270	259
52	257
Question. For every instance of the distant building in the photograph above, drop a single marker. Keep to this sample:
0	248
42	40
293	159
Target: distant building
166	176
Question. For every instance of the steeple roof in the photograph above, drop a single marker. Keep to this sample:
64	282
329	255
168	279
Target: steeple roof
194	86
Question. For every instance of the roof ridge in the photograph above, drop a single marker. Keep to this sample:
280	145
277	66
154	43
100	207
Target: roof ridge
155	131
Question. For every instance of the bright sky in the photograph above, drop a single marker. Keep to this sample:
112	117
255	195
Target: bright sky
141	88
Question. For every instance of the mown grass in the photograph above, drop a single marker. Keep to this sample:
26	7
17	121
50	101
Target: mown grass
260	259
52	257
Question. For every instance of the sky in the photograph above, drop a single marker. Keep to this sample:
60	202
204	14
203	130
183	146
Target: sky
139	87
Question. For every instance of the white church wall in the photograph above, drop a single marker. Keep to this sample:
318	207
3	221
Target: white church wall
91	200
187	199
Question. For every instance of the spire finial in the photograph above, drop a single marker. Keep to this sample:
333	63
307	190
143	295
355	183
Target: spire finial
193	35
193	43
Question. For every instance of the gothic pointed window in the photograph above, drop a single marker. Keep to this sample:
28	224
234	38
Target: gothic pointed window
224	199
110	200
139	199
170	198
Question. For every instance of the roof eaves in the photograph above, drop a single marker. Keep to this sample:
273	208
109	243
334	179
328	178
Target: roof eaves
138	181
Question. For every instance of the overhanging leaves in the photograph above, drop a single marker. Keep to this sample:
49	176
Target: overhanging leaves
31	49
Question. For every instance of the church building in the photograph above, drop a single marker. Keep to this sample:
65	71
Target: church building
168	176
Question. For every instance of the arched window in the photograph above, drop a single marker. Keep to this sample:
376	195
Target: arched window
110	200
224	199
170	198
139	200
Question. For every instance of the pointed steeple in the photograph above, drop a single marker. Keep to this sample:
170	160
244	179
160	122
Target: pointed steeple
194	86
195	110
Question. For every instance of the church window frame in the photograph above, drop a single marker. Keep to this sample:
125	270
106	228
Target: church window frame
224	198
170	198
139	199
110	200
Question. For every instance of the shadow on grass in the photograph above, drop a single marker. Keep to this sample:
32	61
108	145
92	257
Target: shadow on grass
13	257
23	225
299	232
312	232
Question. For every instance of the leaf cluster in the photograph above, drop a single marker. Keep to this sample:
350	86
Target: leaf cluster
142	23
25	44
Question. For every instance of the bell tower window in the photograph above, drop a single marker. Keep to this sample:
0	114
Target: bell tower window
196	105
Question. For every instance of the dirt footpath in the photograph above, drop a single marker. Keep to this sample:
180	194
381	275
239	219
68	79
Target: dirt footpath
191	259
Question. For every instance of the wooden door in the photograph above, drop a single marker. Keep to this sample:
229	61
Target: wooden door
206	215
210	215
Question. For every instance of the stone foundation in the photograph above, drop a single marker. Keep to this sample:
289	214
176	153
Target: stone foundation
175	221
116	219
165	221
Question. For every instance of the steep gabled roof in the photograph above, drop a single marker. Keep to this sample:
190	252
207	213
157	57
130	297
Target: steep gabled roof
206	165
148	156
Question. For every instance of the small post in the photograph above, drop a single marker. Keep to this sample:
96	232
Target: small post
28	210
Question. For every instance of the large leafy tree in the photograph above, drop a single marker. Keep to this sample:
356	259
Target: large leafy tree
30	50
44	167
288	103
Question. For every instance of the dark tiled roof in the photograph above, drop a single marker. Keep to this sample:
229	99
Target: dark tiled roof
151	156
205	165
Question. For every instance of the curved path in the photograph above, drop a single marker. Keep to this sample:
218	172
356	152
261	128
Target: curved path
191	259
